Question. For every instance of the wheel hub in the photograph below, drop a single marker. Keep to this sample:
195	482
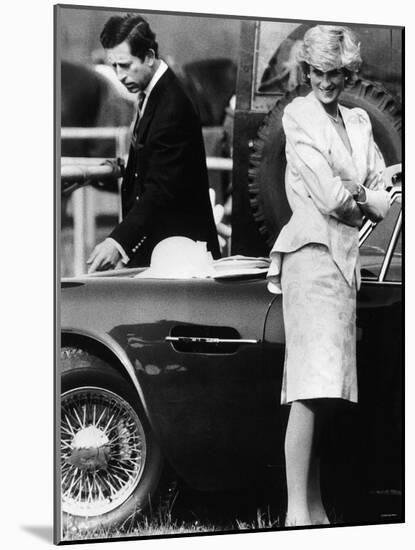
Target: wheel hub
90	449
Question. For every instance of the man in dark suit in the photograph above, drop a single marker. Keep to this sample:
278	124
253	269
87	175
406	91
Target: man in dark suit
165	189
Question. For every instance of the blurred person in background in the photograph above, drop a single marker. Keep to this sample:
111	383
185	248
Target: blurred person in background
165	188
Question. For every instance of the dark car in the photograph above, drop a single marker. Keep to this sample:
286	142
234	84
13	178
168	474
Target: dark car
188	372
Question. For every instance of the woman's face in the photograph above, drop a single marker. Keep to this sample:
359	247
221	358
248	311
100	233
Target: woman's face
327	86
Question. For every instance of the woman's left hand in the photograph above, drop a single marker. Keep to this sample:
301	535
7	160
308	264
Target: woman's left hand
351	186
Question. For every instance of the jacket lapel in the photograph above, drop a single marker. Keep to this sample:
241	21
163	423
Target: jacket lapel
353	126
327	124
147	116
152	103
341	155
352	134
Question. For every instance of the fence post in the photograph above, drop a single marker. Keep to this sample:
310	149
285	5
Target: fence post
79	230
121	151
90	225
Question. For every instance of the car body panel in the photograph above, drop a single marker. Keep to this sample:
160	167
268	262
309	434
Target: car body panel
206	357
380	383
192	391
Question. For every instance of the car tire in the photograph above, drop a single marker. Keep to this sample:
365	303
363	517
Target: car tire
111	463
266	175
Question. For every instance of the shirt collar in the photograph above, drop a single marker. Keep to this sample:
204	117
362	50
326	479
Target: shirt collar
162	68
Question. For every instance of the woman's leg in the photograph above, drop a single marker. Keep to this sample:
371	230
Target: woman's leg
318	514
305	506
315	504
299	447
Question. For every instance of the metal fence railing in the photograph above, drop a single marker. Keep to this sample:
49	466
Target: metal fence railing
82	198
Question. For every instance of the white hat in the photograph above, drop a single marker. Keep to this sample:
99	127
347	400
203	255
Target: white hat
179	258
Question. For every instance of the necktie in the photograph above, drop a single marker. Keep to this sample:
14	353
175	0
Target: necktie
141	98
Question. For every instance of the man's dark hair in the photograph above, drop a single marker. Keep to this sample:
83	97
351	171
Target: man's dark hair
131	28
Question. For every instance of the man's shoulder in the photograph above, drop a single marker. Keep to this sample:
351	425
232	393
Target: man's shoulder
173	94
172	84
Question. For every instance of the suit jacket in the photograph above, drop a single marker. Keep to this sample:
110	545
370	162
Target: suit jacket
165	189
323	209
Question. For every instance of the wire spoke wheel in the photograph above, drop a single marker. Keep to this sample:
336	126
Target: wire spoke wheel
103	451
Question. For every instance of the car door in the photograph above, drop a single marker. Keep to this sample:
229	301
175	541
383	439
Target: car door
196	347
379	349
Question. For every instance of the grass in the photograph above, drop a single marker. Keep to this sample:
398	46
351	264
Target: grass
164	521
263	520
147	527
184	511
159	526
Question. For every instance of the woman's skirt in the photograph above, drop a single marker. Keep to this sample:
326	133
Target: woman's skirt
320	327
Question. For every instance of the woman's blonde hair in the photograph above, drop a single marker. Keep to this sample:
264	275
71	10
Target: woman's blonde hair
329	47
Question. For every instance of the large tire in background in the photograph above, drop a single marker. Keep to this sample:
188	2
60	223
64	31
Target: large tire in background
267	160
111	462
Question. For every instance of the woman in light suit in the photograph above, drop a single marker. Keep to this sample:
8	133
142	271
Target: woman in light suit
333	179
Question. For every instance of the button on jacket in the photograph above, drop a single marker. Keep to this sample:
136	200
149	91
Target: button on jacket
165	190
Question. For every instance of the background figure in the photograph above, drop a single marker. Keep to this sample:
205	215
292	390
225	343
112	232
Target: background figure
333	179
165	189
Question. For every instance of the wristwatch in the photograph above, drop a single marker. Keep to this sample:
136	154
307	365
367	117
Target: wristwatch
360	195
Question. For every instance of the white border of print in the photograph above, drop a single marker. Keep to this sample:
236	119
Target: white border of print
27	268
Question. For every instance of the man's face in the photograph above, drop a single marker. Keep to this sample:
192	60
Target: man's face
131	71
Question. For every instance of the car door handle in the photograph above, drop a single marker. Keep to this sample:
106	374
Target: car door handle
199	340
